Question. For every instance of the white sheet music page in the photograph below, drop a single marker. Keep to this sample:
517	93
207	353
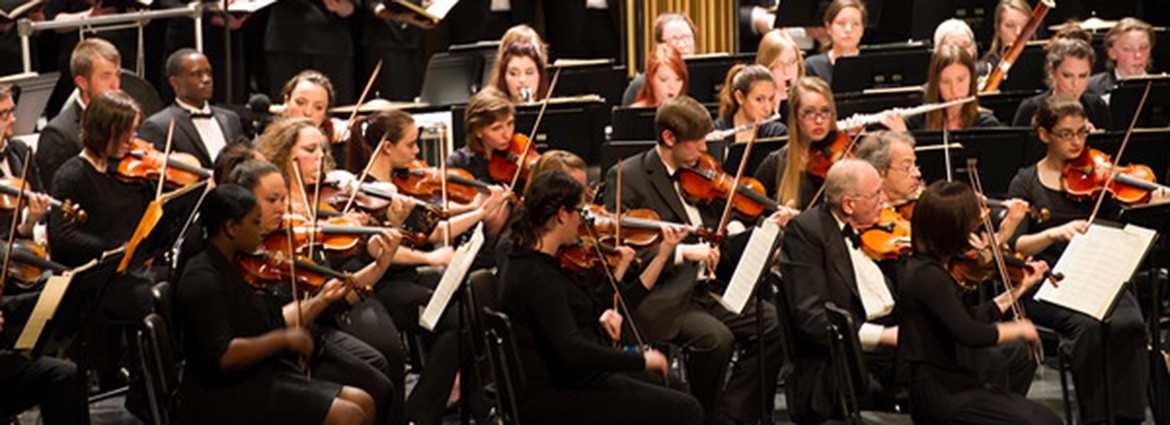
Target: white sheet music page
452	277
756	256
46	307
1096	266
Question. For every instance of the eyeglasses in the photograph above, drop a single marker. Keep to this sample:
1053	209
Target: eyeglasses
5	113
809	114
680	40
1066	135
909	169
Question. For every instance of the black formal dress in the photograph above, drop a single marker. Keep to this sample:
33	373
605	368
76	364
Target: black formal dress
771	170
1080	335
945	343
214	305
59	141
303	34
187	138
1095	109
681	309
568	378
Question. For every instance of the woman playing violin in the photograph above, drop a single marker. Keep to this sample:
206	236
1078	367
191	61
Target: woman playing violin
1062	125
942	336
296	140
490	123
749	96
310	94
812	120
569	378
235	339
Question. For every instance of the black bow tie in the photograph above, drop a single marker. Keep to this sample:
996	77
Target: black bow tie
848	232
199	115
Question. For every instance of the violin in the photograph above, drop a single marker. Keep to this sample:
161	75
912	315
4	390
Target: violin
11	188
706	182
828	151
518	158
978	266
889	239
641	229
264	269
1040	215
1085	177
28	262
423	182
338	235
144	163
587	253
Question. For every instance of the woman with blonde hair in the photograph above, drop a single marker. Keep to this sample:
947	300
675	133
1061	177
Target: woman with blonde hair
780	54
812	121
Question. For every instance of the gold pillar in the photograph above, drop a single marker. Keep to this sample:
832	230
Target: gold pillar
714	18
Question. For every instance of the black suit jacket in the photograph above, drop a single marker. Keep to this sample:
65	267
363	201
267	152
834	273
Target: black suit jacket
154	130
567	22
816	268
1102	83
60	141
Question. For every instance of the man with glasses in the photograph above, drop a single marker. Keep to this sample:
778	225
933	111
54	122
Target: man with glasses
821	260
892	154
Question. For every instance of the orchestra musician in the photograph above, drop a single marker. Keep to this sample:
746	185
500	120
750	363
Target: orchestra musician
1062	124
12	157
490	123
680	308
522	73
952	76
941	336
569	378
845	22
667	77
235	340
749	96
1127	46
1068	62
956	32
812	120
1010	18
780	54
673	29
309	94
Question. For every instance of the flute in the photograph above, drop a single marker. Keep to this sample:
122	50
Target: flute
858	121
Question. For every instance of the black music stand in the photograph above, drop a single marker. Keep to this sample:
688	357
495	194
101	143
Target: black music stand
706	73
176	213
633	123
1027	73
760	150
1157	217
1001	152
1124	100
600	77
76	306
885	69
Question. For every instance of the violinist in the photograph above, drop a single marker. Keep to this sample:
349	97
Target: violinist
235	340
680	309
404	288
12	157
571	379
1063	125
361	346
490	123
845	22
749	96
942	337
892	154
522	73
1068	64
309	94
952	76
812	121
666	77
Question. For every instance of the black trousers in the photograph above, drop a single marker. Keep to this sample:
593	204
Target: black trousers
935	403
612	399
709	333
1080	339
369	322
52	383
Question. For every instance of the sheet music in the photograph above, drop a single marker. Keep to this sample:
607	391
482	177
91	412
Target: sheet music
1096	265
452	277
756	257
46	307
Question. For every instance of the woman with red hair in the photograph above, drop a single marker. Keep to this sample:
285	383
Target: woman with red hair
666	77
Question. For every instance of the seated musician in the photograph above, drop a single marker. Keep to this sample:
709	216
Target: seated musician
1010	18
821	261
780	54
667	77
12	164
951	77
749	96
1062	125
569	378
522	73
1068	64
1127	47
845	22
942	336
673	29
680	308
490	123
235	340
310	94
956	32
390	143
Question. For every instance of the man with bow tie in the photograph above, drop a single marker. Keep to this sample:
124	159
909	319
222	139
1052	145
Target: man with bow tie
821	261
200	129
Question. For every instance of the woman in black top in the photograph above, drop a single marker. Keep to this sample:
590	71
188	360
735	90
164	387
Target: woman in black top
941	337
235	339
952	77
812	123
1062	125
845	22
1069	62
569	378
749	96
490	123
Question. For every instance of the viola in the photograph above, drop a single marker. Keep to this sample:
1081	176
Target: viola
144	163
597	237
11	188
424	182
828	151
588	253
706	182
504	165
889	239
1085	177
978	266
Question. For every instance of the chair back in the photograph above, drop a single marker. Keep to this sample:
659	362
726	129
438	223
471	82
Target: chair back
505	360
160	367
848	363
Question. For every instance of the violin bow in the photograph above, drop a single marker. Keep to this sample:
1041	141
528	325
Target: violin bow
365	172
162	177
443	180
292	272
362	99
997	253
15	219
618	299
821	190
618	226
1120	150
532	134
310	210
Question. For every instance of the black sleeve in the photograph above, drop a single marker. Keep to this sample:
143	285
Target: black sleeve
51	152
934	290
71	245
1018	188
767	171
204	312
986	119
802	265
1024	114
152	132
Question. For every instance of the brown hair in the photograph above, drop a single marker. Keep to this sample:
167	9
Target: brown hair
664	55
1123	26
6	91
668	17
517	33
388	124
486	107
312	76
81	60
516	50
946	56
945	214
108	117
555	160
547	194
836	7
773	44
1070	45
788	180
741	78
229	158
277	142
1055	108
684	117
997	45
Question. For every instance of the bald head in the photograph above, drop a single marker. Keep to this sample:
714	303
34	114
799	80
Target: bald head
846	178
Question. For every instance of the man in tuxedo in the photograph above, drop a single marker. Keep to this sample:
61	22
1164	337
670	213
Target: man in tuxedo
821	261
12	157
200	129
95	65
681	308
